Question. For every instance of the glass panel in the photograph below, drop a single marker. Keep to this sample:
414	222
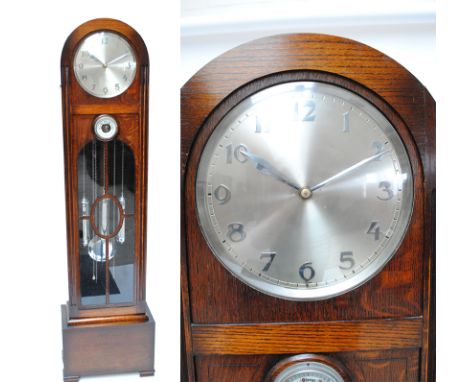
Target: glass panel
106	188
122	267
122	174
93	275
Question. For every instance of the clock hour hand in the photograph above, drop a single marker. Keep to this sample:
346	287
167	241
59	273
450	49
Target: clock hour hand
96	59
347	170
266	168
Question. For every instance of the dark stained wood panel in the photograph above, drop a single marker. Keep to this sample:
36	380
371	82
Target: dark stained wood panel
307	338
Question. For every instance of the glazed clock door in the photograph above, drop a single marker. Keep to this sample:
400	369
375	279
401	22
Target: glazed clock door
104	96
106	189
308	181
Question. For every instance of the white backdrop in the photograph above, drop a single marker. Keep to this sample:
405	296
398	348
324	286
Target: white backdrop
33	282
404	30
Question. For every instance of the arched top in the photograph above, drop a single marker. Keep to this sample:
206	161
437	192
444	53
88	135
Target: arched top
305	52
104	24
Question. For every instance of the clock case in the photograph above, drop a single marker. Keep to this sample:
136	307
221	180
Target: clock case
107	337
383	330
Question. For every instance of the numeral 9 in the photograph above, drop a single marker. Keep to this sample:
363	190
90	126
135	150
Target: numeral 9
222	194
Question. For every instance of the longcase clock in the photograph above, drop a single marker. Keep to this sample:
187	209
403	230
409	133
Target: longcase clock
308	171
107	325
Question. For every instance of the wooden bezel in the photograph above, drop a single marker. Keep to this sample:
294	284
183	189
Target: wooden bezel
223	316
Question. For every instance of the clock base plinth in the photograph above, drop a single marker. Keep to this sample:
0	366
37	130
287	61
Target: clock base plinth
110	348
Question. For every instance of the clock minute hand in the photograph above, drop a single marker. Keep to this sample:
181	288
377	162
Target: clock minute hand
117	59
347	170
266	168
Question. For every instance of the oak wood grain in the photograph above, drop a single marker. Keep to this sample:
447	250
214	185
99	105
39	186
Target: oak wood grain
404	289
317	337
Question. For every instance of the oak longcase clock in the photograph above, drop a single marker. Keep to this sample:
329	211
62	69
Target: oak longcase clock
308	209
107	326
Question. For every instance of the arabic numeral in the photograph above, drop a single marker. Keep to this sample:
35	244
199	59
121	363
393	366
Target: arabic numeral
374	229
378	149
347	259
305	110
270	256
236	232
385	186
346	122
306	272
222	194
237	153
258	125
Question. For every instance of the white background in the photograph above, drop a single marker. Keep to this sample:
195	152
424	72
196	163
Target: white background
33	276
33	272
402	29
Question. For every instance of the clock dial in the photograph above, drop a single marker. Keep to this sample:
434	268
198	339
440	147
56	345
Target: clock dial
304	190
105	64
309	372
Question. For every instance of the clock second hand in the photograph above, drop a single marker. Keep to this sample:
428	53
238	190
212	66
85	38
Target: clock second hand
266	168
347	170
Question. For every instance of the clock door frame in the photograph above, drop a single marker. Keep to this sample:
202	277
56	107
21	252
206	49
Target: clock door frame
219	323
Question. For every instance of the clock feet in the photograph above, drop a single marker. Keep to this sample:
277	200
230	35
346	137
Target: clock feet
71	379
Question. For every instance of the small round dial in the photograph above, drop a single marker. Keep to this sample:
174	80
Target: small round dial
304	190
309	372
105	64
105	127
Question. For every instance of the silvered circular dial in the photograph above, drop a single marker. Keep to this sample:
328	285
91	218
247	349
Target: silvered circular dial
104	64
309	372
304	190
